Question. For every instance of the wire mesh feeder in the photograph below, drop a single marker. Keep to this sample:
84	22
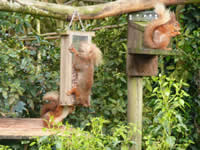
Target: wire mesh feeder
68	78
76	40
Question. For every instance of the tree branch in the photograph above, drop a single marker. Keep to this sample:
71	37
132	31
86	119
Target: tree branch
109	27
65	12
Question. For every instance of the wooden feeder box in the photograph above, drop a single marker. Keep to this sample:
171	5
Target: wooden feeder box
142	61
68	76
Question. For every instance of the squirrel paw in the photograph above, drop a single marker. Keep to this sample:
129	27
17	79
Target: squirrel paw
73	50
68	93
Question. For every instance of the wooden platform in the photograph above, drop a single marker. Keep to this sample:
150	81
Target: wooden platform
148	51
21	128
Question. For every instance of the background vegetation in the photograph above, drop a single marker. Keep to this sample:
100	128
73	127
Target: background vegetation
171	100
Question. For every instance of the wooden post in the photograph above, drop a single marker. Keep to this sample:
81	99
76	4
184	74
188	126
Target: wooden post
135	109
138	65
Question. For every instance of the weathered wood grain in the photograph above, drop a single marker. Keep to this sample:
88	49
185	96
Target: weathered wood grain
22	128
65	71
145	64
135	104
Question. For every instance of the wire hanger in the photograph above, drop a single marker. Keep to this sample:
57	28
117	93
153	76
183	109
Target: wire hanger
75	13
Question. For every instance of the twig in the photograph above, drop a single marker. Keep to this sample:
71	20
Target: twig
69	2
3	114
95	1
109	27
33	38
196	125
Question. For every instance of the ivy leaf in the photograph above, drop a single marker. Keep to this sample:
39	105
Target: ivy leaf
171	141
20	107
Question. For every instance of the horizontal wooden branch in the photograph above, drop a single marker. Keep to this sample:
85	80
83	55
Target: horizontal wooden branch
64	12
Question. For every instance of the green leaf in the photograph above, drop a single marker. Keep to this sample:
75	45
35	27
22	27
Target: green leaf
171	141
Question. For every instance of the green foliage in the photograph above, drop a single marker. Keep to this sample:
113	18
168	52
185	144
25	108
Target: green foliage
188	67
182	68
2	147
24	76
110	88
166	129
95	139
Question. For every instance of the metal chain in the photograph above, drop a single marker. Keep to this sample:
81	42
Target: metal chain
75	13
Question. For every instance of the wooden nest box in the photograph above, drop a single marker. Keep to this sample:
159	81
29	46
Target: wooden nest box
68	76
142	61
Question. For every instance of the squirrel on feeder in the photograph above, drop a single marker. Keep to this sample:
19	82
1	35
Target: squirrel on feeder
53	109
158	33
88	56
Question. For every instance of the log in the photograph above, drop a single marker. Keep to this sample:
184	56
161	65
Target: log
64	12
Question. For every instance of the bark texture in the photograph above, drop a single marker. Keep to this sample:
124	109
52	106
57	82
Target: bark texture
65	12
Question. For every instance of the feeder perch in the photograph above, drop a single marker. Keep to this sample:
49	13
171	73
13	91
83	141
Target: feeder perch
142	61
22	128
68	76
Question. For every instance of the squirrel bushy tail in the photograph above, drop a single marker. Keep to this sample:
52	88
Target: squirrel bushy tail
53	98
163	17
53	108
98	55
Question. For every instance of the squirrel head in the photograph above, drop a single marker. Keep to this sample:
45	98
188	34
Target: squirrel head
173	26
91	50
174	22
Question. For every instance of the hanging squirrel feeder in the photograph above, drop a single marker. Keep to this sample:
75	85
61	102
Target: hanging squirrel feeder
69	76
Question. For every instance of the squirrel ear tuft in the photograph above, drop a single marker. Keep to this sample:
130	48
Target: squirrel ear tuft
173	16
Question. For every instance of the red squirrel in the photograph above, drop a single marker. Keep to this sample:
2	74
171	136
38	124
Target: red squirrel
84	60
158	33
53	109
